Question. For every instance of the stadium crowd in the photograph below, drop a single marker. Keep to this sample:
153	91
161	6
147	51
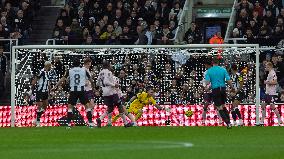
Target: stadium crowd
16	19
117	22
260	21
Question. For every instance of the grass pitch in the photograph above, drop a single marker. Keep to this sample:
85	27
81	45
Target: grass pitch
142	143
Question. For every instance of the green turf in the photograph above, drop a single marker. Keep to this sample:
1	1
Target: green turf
142	143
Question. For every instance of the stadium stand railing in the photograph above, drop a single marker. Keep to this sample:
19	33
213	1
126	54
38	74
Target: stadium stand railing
184	22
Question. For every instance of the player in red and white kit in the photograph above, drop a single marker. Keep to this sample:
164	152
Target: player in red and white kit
270	93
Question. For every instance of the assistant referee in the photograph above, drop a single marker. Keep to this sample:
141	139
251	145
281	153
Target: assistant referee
218	76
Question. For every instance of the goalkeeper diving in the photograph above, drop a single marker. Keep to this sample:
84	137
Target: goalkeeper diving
136	104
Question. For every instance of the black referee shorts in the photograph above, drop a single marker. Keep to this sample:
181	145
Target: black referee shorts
219	96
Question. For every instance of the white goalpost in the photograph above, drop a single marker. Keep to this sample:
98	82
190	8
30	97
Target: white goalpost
229	51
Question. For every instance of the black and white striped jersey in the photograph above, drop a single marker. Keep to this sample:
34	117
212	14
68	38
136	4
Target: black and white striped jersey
43	81
78	77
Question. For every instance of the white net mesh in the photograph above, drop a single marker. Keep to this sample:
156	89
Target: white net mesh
176	73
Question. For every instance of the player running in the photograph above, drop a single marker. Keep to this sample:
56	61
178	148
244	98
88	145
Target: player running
122	100
207	95
270	93
89	92
77	76
42	90
111	99
238	95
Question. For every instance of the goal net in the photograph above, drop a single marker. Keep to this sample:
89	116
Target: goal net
176	72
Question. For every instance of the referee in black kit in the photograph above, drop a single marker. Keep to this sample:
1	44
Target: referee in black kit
218	76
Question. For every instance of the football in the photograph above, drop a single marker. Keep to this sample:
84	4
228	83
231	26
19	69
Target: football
188	113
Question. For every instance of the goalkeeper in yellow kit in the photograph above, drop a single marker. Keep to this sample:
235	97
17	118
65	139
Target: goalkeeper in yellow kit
136	104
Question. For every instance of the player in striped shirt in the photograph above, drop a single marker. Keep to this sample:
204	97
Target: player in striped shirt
237	95
41	81
270	93
77	76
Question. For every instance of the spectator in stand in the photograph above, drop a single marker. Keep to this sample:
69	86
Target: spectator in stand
165	36
3	33
164	11
258	9
269	18
23	25
82	20
91	24
59	27
141	38
96	33
64	17
85	33
89	41
193	35
281	14
126	36
107	34
272	8
10	13
117	28
244	4
77	30
254	27
250	36
216	39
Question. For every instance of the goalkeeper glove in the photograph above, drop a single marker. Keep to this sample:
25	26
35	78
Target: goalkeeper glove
127	105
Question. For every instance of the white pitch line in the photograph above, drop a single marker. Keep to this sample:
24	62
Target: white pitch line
115	145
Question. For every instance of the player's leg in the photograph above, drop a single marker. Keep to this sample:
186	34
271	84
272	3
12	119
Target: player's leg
87	100
236	111
138	114
108	102
42	102
219	97
263	112
130	116
205	107
38	113
109	114
267	100
233	112
273	108
72	100
118	103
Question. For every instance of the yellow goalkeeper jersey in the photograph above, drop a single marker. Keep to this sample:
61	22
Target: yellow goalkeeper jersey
142	100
